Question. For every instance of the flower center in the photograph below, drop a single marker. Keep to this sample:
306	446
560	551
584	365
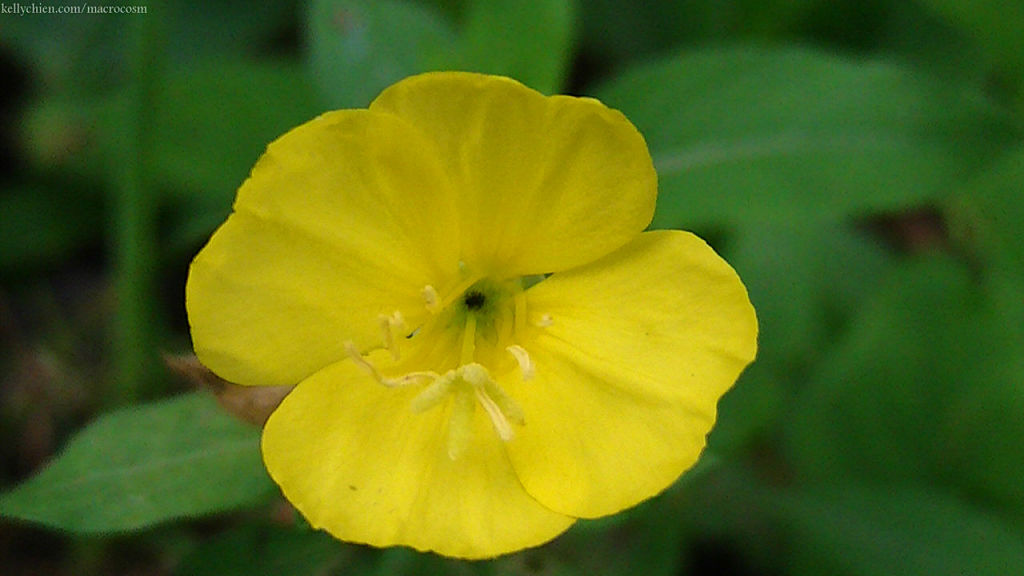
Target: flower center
474	300
475	326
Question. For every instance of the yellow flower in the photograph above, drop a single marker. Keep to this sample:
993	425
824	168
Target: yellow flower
486	345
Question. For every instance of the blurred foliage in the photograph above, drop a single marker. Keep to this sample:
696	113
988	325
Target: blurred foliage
861	164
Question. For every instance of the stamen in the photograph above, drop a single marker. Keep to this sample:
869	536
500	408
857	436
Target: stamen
501	425
431	299
404	380
508	406
523	358
498	405
544	321
357	357
388	325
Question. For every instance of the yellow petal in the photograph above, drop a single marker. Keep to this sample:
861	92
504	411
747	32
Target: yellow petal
638	349
344	219
353	457
545	183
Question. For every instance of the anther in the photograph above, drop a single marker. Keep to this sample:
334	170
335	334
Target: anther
431	299
523	358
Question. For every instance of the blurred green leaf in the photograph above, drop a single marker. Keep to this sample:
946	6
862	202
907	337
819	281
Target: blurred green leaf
611	28
255	550
143	465
925	39
983	434
806	280
785	134
996	24
43	224
872	406
882	530
924	388
989	213
359	47
529	41
213	120
748	412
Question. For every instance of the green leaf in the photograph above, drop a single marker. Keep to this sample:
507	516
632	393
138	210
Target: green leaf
529	41
747	135
143	465
884	530
359	47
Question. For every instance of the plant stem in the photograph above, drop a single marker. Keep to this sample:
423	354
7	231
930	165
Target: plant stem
134	227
